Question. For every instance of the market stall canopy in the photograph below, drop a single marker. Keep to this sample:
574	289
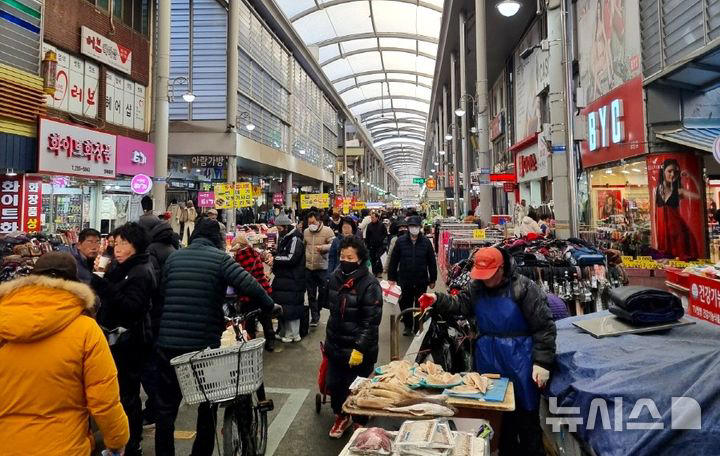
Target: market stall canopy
380	56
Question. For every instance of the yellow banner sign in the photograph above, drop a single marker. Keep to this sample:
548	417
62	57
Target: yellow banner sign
359	205
257	191
318	200
243	194
478	234
224	194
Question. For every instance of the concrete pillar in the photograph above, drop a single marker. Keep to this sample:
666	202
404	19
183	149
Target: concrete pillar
232	93
443	132
564	181
456	154
463	120
289	190
161	104
481	95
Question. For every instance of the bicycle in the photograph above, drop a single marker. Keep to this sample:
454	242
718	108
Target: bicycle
231	377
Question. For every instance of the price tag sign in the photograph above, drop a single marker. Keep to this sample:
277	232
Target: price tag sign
478	234
243	194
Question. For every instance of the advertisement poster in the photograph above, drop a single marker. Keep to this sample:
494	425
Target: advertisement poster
609	203
527	104
608	43
243	194
676	207
206	199
318	200
224	196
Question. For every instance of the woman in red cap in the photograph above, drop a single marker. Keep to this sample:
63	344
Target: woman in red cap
516	339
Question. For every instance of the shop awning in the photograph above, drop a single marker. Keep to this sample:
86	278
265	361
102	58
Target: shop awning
698	138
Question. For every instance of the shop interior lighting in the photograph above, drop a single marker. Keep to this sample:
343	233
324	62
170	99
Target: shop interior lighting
608	171
10	172
624	171
184	168
508	8
636	170
188	96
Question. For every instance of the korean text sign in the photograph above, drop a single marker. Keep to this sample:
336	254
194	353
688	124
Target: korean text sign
32	203
105	50
243	194
206	199
224	196
73	150
704	298
10	199
318	200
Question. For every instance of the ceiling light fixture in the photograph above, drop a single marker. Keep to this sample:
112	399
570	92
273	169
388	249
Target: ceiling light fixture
441	152
508	8
10	172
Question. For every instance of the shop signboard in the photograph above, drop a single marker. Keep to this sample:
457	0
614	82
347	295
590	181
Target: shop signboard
224	196
478	234
135	157
243	194
430	183
616	125
9	204
497	126
257	191
502	177
318	200
677	212
359	205
418	180
72	150
32	204
124	102
436	195
207	161
508	187
141	184
105	50
206	199
704	298
278	199
531	164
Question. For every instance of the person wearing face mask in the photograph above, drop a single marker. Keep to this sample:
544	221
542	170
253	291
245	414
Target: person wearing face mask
351	342
125	294
318	239
288	287
375	235
516	339
413	267
398	229
348	227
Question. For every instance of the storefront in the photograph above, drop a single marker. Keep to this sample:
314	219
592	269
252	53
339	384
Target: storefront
91	178
531	167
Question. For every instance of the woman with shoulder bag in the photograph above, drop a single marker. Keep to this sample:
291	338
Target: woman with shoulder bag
125	295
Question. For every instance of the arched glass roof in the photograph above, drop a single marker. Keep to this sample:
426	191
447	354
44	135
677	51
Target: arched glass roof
380	56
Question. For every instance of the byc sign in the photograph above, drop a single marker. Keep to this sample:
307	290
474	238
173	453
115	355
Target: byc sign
606	126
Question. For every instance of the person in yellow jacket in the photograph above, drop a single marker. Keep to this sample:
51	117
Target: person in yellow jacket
57	370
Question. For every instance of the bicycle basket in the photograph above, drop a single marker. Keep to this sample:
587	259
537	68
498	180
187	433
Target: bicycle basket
213	374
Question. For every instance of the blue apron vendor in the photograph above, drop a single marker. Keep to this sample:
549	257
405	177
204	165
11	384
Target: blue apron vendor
516	339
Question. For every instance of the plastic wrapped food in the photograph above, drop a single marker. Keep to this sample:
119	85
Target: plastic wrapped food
372	441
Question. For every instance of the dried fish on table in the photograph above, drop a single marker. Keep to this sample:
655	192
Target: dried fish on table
478	382
430	368
424	409
443	379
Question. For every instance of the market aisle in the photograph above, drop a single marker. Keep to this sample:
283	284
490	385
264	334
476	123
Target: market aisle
291	380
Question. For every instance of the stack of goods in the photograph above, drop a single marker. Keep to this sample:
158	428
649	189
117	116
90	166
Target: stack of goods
417	438
19	252
645	306
394	395
427	374
424	438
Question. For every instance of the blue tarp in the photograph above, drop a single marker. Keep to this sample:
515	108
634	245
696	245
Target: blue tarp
681	362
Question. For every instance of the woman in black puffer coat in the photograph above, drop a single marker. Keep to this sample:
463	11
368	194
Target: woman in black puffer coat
351	344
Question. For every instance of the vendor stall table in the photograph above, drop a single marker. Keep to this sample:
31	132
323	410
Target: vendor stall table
639	394
466	408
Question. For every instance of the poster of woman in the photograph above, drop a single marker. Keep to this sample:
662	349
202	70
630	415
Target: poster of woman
609	203
676	205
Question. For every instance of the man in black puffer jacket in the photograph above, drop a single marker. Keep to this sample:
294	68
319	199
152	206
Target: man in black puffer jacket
413	267
194	282
351	344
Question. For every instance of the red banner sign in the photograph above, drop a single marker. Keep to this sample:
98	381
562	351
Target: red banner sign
509	187
615	125
526	164
502	177
704	298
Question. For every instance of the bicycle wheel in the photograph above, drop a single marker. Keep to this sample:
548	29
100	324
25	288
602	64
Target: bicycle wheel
232	442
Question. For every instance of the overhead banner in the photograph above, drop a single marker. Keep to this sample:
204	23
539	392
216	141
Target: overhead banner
677	212
318	200
71	150
243	194
224	196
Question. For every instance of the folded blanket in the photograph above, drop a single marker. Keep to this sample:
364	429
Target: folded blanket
645	306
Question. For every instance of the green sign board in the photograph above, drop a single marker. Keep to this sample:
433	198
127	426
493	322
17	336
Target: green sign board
418	180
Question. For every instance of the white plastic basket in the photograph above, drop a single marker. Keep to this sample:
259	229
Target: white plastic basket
215	372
